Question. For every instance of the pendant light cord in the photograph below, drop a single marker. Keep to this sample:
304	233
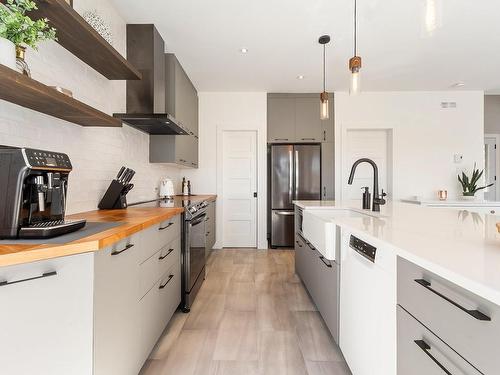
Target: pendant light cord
324	67
355	26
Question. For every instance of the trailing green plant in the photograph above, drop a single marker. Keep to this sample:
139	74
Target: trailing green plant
18	27
469	185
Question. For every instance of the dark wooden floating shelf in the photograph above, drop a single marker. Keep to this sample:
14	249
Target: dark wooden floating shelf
22	90
78	37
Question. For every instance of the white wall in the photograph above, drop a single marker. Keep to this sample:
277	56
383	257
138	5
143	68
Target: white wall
96	153
220	111
425	136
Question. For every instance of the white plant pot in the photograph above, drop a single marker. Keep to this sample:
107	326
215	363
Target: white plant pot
7	53
468	197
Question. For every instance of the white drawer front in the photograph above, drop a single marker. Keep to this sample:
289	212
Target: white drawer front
159	235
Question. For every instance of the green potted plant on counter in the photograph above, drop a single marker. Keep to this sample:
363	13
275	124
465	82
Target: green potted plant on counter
469	184
21	31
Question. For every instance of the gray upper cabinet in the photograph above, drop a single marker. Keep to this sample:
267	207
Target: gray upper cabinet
181	98
174	149
182	103
294	118
308	125
281	119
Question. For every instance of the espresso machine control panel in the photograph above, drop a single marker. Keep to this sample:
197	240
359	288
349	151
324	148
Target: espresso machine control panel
39	159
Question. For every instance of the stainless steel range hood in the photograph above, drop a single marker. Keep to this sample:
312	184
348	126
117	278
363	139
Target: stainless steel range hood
146	98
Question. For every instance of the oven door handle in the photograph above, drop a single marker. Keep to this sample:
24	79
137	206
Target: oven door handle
198	220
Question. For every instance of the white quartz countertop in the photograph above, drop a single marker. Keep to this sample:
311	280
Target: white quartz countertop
452	203
460	246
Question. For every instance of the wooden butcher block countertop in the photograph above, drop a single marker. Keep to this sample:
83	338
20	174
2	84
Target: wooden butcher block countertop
133	219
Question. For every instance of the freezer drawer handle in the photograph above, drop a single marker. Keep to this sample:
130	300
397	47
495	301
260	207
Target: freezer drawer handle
298	243
164	285
474	313
165	227
47	274
130	245
166	255
329	265
425	348
285	213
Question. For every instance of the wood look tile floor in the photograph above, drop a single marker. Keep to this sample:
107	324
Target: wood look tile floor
252	316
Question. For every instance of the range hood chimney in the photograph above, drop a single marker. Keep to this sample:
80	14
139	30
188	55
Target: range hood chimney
146	101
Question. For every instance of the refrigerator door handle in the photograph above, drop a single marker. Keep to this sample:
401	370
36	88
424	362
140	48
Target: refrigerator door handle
290	177
296	173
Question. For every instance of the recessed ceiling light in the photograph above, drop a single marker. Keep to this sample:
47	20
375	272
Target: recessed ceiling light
300	77
458	84
243	50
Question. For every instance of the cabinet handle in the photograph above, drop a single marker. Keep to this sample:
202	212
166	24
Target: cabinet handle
329	265
130	245
281	139
164	285
425	348
165	227
310	246
474	313
46	274
308	139
166	255
324	135
298	243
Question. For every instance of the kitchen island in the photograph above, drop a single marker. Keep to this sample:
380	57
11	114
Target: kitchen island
434	275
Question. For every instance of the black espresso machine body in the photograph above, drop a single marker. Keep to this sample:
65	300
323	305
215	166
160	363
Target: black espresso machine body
34	185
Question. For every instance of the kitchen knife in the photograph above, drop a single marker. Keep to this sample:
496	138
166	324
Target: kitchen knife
122	169
124	175
129	177
126	178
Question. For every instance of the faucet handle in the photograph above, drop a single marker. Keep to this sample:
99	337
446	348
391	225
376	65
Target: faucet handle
384	194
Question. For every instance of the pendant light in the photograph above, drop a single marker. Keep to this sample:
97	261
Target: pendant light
355	61
324	106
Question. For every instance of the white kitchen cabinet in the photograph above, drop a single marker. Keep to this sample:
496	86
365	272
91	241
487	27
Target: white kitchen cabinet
117	316
46	317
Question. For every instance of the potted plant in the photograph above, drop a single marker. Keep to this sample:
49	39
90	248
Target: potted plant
469	184
18	28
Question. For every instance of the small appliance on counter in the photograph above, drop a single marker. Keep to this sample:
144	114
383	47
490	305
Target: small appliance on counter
34	185
166	188
116	195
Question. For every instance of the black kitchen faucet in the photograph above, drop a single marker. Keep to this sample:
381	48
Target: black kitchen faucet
378	199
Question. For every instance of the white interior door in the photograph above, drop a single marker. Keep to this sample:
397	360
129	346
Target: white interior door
372	144
239	176
490	171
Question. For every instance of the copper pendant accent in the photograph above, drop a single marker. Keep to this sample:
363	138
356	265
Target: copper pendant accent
323	96
354	63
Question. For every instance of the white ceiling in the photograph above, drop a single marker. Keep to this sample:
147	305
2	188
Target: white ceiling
281	37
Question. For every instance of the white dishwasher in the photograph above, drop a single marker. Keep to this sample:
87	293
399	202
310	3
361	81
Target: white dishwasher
367	306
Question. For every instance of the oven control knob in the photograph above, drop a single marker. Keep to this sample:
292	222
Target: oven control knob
192	210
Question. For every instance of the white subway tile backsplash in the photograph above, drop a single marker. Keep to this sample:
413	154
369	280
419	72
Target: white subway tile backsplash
96	153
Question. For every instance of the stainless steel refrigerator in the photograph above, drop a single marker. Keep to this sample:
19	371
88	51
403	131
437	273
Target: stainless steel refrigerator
295	175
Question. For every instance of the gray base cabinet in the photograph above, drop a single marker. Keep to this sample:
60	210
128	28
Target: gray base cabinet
467	323
46	317
137	290
210	227
321	279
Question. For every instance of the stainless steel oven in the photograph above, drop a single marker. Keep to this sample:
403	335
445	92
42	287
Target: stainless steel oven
193	257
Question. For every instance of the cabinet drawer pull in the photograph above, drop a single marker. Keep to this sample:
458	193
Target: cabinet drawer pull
164	285
474	313
165	227
46	274
130	245
281	139
308	139
329	265
324	135
166	255
425	348
298	243
310	246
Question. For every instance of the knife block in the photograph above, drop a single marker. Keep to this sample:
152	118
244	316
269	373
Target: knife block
114	198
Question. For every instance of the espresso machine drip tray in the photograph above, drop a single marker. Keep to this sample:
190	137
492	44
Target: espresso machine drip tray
48	229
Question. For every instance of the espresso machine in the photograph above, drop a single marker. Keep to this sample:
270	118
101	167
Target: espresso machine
33	186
